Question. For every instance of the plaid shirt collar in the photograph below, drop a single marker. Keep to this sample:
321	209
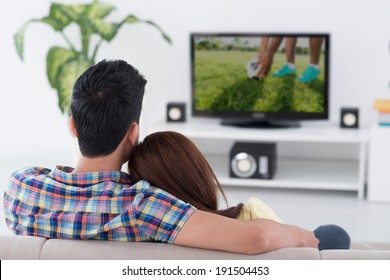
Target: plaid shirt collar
64	174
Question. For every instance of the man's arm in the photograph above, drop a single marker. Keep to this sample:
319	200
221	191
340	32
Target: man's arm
211	231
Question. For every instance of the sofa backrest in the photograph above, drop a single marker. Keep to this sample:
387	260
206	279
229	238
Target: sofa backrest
35	248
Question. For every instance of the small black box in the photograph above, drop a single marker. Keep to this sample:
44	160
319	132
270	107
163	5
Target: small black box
349	118
176	112
253	160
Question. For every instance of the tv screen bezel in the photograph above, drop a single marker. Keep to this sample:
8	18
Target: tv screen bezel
260	115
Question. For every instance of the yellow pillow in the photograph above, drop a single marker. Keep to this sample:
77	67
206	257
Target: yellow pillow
254	208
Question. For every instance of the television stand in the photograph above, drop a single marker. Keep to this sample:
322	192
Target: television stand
253	123
312	156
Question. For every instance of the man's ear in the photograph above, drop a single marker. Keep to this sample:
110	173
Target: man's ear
72	127
133	134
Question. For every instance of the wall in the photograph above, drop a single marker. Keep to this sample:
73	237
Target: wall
34	132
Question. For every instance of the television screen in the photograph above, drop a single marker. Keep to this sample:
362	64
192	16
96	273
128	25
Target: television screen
260	77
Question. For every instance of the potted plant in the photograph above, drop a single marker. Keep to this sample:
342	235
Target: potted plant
65	64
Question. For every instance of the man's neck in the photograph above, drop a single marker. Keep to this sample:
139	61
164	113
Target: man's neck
99	164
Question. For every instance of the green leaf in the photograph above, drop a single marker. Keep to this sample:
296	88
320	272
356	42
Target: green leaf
65	14
106	30
130	19
99	10
57	13
134	19
19	35
67	75
165	36
56	57
19	40
57	25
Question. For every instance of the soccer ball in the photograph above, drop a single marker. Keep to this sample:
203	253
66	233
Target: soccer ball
252	68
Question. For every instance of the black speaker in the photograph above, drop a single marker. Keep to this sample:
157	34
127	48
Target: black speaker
253	160
176	112
349	118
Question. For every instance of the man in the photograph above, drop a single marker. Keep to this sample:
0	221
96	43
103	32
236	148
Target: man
95	200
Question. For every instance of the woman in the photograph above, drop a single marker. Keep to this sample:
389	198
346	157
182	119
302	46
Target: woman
173	163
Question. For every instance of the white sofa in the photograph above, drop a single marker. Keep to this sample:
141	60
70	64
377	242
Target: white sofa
38	248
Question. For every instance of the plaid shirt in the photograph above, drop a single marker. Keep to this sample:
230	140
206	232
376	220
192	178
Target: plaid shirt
97	205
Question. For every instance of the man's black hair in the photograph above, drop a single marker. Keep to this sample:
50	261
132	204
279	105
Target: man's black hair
106	100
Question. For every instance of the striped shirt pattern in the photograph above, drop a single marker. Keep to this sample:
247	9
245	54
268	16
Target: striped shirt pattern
97	205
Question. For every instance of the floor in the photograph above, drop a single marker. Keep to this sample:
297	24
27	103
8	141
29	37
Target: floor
366	222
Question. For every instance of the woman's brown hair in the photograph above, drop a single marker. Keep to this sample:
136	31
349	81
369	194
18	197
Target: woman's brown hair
170	161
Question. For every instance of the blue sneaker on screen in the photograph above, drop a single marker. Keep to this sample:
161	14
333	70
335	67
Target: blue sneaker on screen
284	71
310	74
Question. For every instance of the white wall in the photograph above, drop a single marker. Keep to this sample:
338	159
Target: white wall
34	132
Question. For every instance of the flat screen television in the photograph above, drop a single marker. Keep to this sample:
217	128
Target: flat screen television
260	79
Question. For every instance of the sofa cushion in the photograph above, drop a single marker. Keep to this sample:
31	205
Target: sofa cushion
355	255
21	247
57	249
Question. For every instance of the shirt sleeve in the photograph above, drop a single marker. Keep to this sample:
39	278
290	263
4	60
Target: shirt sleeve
255	208
259	209
159	215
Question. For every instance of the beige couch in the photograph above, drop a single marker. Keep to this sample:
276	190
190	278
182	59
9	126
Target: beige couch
36	248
